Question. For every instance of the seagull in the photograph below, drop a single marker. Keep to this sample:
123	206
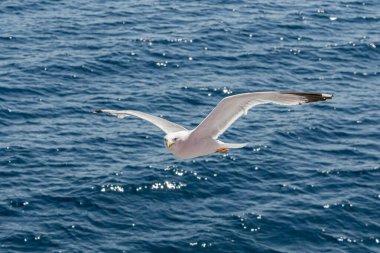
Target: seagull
203	140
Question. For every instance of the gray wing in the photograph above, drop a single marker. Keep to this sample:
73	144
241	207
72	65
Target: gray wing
231	108
165	125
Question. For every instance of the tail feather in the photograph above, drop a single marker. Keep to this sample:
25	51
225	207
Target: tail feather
235	145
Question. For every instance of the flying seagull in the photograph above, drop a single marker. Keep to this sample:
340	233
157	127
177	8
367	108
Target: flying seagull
203	139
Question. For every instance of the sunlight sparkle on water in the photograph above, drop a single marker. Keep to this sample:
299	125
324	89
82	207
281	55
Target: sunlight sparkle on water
167	185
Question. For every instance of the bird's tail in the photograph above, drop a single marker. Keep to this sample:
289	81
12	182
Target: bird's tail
234	145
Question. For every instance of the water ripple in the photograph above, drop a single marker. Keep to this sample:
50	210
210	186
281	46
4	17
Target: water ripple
74	181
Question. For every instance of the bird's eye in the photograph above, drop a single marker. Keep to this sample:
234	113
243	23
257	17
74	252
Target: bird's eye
175	139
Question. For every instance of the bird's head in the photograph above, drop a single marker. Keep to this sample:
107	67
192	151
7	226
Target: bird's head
173	140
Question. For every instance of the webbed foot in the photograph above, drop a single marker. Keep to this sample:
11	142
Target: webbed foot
222	150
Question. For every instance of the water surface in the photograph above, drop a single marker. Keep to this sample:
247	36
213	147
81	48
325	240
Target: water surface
75	181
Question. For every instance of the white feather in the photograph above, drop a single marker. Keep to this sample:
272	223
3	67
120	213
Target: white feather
203	139
231	108
165	125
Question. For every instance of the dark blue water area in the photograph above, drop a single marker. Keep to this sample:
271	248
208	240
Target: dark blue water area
76	181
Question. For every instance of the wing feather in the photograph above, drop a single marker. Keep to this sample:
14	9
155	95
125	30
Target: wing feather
231	108
163	124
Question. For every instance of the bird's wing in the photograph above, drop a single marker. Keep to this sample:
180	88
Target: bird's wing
165	125
231	108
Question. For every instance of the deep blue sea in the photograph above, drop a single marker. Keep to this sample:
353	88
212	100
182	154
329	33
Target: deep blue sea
76	181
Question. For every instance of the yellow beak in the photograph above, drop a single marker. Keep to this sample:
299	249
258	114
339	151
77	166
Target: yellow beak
169	143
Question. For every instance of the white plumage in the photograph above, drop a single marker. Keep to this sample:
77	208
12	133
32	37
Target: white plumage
203	140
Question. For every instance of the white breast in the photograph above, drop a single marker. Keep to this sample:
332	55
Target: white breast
193	148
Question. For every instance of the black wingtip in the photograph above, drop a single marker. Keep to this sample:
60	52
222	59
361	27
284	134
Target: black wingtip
98	111
312	97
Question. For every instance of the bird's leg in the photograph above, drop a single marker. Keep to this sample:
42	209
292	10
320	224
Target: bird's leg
221	150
